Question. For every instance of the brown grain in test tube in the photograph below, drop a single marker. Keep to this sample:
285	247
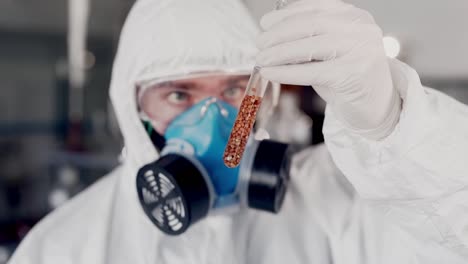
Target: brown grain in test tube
241	130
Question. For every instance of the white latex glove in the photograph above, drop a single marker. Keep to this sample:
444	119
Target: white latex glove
338	50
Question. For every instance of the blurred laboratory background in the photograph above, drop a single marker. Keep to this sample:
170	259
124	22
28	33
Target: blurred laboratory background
57	130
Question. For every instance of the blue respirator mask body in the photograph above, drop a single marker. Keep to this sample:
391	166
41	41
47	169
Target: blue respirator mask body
190	181
203	132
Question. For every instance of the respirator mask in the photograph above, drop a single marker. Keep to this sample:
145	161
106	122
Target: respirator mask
190	181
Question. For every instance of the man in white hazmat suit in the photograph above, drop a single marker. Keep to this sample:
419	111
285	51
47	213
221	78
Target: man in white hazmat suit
392	190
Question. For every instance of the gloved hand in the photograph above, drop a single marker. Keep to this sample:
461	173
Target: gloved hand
338	50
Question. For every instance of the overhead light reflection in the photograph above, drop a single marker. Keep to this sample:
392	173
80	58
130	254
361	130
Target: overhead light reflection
392	46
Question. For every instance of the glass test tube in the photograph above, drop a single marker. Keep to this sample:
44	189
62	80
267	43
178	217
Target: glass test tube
245	120
247	113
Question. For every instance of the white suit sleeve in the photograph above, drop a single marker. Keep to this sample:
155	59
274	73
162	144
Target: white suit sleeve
418	175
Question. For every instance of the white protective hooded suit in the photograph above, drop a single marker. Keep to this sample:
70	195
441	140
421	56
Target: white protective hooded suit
403	200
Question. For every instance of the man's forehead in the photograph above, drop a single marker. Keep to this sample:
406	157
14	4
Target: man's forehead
212	78
205	82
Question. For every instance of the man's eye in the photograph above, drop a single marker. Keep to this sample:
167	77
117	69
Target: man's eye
177	97
233	92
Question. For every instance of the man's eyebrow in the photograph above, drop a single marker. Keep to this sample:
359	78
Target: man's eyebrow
172	84
236	79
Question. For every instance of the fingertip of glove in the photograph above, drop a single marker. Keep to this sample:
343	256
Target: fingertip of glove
261	59
268	73
260	41
268	20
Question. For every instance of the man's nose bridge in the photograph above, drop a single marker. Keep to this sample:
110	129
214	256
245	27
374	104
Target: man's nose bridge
213	102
